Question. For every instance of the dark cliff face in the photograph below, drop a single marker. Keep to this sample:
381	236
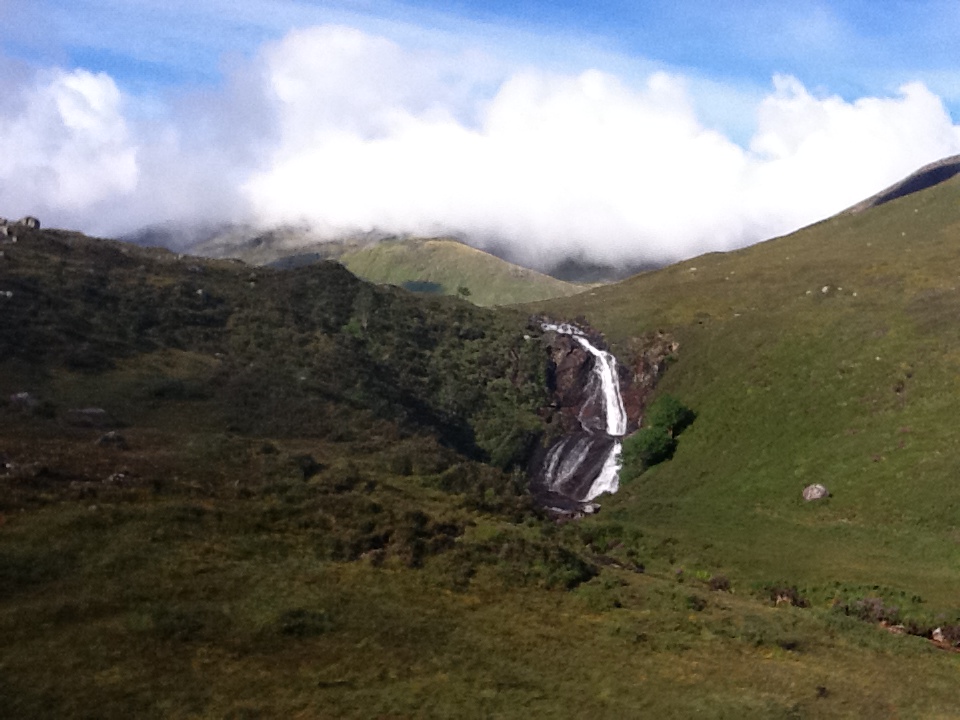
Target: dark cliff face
649	359
569	373
571	379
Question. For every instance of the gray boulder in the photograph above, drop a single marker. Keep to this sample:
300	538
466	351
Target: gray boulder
815	492
23	401
30	222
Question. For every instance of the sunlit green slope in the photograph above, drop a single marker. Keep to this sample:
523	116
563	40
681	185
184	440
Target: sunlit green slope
828	356
446	266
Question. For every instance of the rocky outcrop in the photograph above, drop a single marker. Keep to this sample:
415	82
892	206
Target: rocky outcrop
649	357
570	374
569	369
9	229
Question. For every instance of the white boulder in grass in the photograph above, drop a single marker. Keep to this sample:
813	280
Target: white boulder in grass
815	492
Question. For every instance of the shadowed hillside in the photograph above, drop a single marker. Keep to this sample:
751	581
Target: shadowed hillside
926	177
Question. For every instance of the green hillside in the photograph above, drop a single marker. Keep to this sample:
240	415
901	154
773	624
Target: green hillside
829	356
238	492
446	266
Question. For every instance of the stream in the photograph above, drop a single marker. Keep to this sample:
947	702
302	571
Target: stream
585	463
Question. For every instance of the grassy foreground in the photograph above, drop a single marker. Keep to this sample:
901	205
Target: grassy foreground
214	580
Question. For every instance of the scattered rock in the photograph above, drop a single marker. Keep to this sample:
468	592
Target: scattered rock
23	401
30	222
113	439
92	417
815	492
937	635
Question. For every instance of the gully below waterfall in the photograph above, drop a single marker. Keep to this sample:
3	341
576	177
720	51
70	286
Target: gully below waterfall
584	462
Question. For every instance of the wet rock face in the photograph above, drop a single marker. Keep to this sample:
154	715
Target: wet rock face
588	418
595	401
571	379
573	463
569	372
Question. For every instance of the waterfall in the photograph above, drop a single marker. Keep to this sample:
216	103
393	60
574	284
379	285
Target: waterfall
605	366
584	464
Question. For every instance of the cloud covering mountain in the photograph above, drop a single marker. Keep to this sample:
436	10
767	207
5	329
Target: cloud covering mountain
349	130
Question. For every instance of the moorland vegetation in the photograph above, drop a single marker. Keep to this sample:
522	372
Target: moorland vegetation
305	495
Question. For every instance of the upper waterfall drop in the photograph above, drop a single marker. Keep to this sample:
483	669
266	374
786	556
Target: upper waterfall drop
606	369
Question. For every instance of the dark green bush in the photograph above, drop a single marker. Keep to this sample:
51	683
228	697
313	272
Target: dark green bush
670	414
656	442
647	447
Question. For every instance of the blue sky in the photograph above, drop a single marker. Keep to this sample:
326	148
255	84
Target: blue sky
751	95
849	47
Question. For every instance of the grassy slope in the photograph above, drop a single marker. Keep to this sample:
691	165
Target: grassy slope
452	265
216	578
855	387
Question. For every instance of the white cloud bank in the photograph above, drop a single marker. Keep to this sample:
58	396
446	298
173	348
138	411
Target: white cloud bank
64	143
355	132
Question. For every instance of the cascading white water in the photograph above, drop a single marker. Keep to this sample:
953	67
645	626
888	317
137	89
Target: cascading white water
566	459
606	368
609	478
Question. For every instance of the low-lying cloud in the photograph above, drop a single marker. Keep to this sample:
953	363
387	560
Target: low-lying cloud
352	132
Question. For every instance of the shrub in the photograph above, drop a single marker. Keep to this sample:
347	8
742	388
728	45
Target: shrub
669	414
650	445
656	442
